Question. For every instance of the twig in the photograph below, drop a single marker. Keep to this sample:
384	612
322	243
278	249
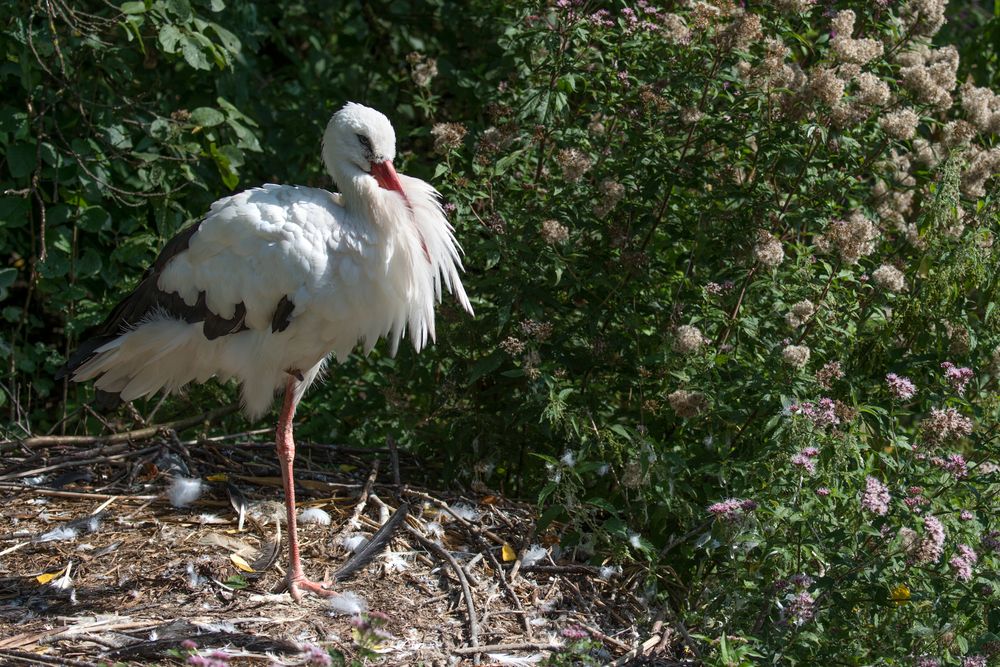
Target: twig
26	658
492	648
363	496
77	462
138	434
638	651
470	606
71	494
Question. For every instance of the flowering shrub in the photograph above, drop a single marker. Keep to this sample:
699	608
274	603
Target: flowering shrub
762	241
733	267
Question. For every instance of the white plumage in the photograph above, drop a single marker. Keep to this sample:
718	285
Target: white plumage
353	274
275	279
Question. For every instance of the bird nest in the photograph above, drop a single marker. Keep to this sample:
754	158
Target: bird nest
98	567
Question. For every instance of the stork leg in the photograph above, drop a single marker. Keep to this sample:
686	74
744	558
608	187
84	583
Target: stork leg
297	581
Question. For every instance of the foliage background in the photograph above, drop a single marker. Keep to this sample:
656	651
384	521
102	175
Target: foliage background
119	124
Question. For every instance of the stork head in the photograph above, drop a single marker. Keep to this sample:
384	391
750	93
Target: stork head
359	138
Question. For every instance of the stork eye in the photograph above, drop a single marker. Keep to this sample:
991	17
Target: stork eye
366	143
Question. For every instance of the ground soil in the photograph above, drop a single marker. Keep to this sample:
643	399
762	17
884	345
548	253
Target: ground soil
97	566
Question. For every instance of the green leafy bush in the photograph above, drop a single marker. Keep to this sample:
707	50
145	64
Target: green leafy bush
734	273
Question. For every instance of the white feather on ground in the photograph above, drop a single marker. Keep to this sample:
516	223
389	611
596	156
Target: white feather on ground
347	603
533	555
466	512
353	542
184	491
315	515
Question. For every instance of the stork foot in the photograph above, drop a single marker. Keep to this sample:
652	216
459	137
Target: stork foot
297	586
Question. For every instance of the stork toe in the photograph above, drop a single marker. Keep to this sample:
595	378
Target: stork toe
299	585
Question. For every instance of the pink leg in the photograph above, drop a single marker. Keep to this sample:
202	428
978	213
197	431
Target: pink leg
297	581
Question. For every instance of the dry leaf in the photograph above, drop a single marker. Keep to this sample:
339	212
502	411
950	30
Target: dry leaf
49	576
240	563
218	477
507	552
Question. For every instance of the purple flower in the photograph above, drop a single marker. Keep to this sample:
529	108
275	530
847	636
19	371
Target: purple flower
955	464
875	497
822	491
900	387
315	656
933	543
804	461
926	661
731	508
957	377
974	661
966	515
574	632
800	607
963	561
823	413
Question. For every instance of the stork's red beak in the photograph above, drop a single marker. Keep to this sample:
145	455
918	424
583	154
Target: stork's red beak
386	176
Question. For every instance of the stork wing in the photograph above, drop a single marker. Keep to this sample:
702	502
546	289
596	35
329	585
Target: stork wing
239	268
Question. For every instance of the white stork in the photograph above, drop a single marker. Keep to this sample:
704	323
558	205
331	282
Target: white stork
275	279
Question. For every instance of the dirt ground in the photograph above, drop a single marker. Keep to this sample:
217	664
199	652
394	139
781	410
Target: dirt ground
98	567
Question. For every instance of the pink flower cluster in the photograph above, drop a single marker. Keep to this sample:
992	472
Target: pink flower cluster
806	459
957	377
875	498
954	463
963	561
900	387
821	414
932	545
732	509
801	607
944	425
915	498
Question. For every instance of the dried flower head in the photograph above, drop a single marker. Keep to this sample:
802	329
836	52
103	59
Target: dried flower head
574	163
687	404
923	17
768	251
796	356
901	124
422	69
829	373
846	49
889	278
448	136
826	86
688	339
852	238
871	90
800	313
611	193
554	233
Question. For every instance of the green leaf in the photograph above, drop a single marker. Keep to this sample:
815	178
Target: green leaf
21	159
194	54
90	264
169	36
14	211
133	8
229	41
225	166
7	277
207	117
